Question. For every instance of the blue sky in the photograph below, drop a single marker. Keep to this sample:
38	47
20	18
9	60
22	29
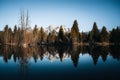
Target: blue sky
62	12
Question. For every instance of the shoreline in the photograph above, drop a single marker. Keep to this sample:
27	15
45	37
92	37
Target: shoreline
75	43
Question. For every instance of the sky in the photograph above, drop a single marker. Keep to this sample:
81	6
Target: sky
62	12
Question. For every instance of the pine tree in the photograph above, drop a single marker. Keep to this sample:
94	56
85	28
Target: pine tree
1	37
104	35
35	34
83	37
75	31
35	31
42	36
5	35
115	35
10	35
94	34
61	34
18	36
15	35
53	36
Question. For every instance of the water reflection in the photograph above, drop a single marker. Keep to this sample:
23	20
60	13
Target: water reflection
115	52
64	62
23	55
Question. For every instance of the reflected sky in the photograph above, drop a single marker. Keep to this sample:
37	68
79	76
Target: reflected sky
62	12
60	70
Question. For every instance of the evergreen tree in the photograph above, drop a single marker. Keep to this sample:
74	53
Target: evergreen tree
1	37
53	36
15	29
61	34
35	34
115	35
68	37
18	35
10	35
83	37
15	35
75	31
42	35
5	35
104	35
35	31
94	34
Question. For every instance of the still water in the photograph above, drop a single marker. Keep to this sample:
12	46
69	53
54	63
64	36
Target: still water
60	63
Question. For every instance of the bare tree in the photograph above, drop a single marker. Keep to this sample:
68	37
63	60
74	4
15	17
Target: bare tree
24	33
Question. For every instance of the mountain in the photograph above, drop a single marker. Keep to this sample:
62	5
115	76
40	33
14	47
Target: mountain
51	28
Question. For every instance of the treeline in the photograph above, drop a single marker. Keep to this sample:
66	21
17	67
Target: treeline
27	36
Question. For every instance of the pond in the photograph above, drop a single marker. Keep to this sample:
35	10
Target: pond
60	63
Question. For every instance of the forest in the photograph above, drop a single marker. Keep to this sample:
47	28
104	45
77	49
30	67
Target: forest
24	36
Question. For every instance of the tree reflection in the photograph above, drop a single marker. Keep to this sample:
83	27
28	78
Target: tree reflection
94	52
23	55
97	51
115	51
104	51
7	50
62	51
75	54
